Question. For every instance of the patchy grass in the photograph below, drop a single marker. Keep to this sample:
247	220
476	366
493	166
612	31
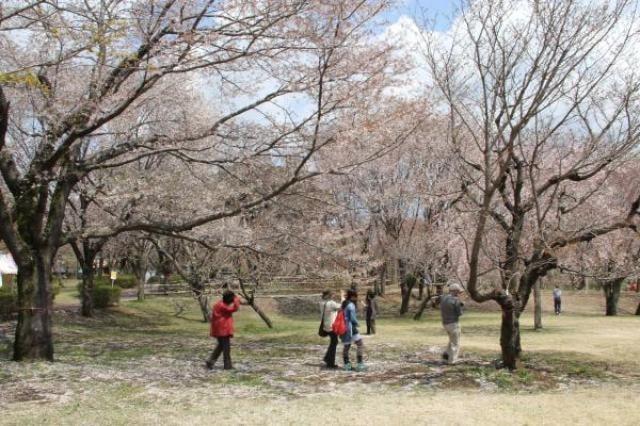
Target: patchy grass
68	295
140	363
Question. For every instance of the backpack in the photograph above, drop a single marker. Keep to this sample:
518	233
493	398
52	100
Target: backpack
339	325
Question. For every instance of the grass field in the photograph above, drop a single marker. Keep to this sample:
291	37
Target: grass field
142	364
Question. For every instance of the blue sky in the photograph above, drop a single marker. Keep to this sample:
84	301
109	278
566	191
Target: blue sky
441	10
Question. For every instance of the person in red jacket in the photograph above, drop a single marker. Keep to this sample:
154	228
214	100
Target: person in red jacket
222	328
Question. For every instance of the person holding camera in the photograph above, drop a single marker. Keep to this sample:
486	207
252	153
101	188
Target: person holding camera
222	328
451	308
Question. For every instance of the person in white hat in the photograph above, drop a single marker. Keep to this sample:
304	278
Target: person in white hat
451	308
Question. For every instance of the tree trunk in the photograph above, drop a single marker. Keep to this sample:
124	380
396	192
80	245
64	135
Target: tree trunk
393	271
638	309
406	297
139	270
86	254
402	270
88	280
140	290
382	276
611	290
250	298
537	308
203	301
420	289
261	314
510	333
427	300
34	340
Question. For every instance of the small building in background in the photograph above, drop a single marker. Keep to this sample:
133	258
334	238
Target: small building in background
8	270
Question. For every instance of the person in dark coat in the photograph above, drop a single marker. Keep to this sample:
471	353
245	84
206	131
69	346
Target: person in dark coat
371	311
222	328
557	300
451	308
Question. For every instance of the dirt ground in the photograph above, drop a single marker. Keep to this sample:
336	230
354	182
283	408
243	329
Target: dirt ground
142	364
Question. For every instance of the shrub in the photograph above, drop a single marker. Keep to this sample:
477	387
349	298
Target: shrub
105	296
8	302
156	279
56	286
124	281
175	279
101	280
97	281
127	281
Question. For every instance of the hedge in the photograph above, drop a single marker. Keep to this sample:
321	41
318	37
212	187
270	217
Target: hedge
156	279
8	302
9	298
123	281
126	281
105	296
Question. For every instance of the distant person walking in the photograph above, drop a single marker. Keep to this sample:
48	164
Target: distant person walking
222	328
352	335
451	308
328	311
371	311
557	300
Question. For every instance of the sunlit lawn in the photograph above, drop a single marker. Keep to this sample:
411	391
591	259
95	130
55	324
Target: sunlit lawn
140	363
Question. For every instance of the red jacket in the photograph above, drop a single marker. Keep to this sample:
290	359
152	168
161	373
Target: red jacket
221	318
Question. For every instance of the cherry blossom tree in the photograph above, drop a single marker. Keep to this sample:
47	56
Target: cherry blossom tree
612	258
274	72
539	105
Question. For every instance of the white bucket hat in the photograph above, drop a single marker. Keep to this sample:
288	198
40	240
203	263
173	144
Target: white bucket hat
455	287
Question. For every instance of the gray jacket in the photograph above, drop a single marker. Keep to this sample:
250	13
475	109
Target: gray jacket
450	308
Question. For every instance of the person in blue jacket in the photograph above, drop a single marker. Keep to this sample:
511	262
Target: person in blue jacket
352	335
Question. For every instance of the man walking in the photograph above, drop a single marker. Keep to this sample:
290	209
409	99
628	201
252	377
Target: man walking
451	309
557	300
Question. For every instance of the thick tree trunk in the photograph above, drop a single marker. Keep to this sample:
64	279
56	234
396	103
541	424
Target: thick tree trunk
139	270
420	289
406	297
34	339
86	254
510	333
611	290
140	293
611	308
537	306
638	309
88	280
402	270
